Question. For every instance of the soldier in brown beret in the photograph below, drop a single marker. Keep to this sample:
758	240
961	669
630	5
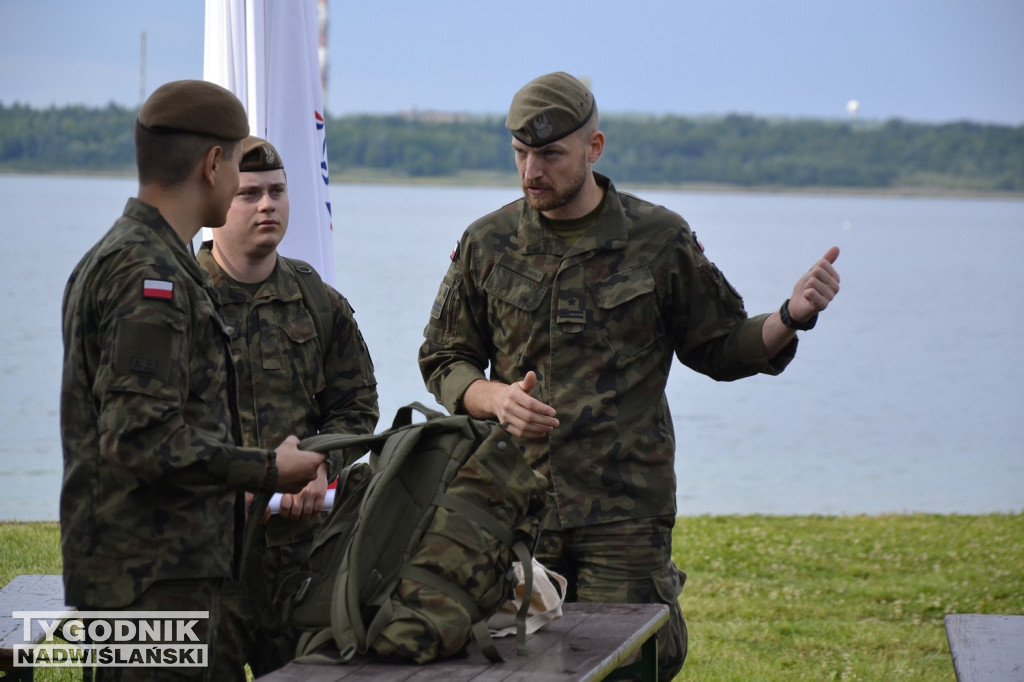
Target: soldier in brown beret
575	300
291	380
151	507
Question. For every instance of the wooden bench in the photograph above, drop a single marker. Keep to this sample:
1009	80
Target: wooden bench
986	648
589	642
26	593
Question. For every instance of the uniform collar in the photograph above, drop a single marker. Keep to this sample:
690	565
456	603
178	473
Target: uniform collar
609	231
277	287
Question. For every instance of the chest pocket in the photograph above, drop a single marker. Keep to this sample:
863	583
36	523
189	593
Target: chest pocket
627	314
516	283
289	350
515	292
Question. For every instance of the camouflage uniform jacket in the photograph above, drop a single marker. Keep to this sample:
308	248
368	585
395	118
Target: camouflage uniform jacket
287	383
598	321
147	426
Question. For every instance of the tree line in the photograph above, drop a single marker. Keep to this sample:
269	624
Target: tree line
732	150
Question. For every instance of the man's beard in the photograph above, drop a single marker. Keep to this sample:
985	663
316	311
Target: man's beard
552	201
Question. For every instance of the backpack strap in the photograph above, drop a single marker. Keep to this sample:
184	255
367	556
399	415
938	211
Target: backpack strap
446	587
346	591
518	547
395	442
375	442
314	296
404	415
251	575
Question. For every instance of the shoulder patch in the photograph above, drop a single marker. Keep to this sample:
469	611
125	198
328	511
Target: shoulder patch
158	288
439	301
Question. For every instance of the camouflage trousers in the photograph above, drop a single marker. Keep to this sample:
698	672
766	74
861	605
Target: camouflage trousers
243	639
172	595
623	562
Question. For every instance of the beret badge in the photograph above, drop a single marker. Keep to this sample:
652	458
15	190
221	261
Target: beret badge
268	155
542	127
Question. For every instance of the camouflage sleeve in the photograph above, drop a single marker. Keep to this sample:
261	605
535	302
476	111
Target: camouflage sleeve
147	382
348	403
712	332
454	353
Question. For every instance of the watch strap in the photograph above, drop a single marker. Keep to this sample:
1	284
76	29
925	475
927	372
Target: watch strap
793	324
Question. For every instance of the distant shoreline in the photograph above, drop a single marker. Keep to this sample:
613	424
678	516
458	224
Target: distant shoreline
477	179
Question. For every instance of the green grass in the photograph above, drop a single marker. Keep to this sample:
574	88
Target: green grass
840	598
789	597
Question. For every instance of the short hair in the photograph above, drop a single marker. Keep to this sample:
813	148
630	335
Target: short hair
592	125
168	158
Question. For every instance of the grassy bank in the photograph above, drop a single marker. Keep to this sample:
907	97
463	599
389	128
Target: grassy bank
792	598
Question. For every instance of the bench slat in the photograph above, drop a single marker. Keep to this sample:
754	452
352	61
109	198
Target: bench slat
27	593
587	643
986	648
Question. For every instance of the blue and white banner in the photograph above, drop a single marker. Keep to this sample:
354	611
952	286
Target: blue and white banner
266	52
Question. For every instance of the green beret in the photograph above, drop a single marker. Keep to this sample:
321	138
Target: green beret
259	155
548	108
192	106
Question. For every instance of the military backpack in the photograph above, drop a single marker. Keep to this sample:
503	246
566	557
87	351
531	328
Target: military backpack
418	550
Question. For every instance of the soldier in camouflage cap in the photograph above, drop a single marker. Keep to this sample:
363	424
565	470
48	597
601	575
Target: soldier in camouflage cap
151	501
289	381
575	299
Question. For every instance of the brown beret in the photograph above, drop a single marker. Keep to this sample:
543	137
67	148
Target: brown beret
259	155
548	108
192	106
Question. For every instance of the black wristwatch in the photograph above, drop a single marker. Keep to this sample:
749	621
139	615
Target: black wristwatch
270	482
793	324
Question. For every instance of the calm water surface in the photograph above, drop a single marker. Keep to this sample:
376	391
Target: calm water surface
907	396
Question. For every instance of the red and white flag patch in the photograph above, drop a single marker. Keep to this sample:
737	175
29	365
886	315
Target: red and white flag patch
158	288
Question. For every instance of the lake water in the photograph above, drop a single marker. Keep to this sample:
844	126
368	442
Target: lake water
907	397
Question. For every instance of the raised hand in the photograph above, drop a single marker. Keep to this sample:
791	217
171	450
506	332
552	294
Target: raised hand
816	288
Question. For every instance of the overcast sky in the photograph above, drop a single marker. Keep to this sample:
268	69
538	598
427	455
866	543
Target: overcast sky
919	60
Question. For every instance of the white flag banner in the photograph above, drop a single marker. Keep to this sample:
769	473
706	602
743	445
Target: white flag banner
265	51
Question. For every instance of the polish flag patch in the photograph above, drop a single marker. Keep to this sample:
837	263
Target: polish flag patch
158	288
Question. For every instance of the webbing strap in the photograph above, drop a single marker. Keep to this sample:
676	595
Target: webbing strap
446	587
482	635
309	642
477	516
506	536
522	553
380	620
443	585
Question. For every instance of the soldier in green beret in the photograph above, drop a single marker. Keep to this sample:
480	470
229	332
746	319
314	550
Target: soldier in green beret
574	300
290	380
151	508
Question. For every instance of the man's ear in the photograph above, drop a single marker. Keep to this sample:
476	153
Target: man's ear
212	162
595	146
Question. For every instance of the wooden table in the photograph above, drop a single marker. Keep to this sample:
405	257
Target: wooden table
986	648
26	593
588	642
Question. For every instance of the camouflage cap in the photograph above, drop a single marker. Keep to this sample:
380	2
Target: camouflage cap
259	155
192	106
548	108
